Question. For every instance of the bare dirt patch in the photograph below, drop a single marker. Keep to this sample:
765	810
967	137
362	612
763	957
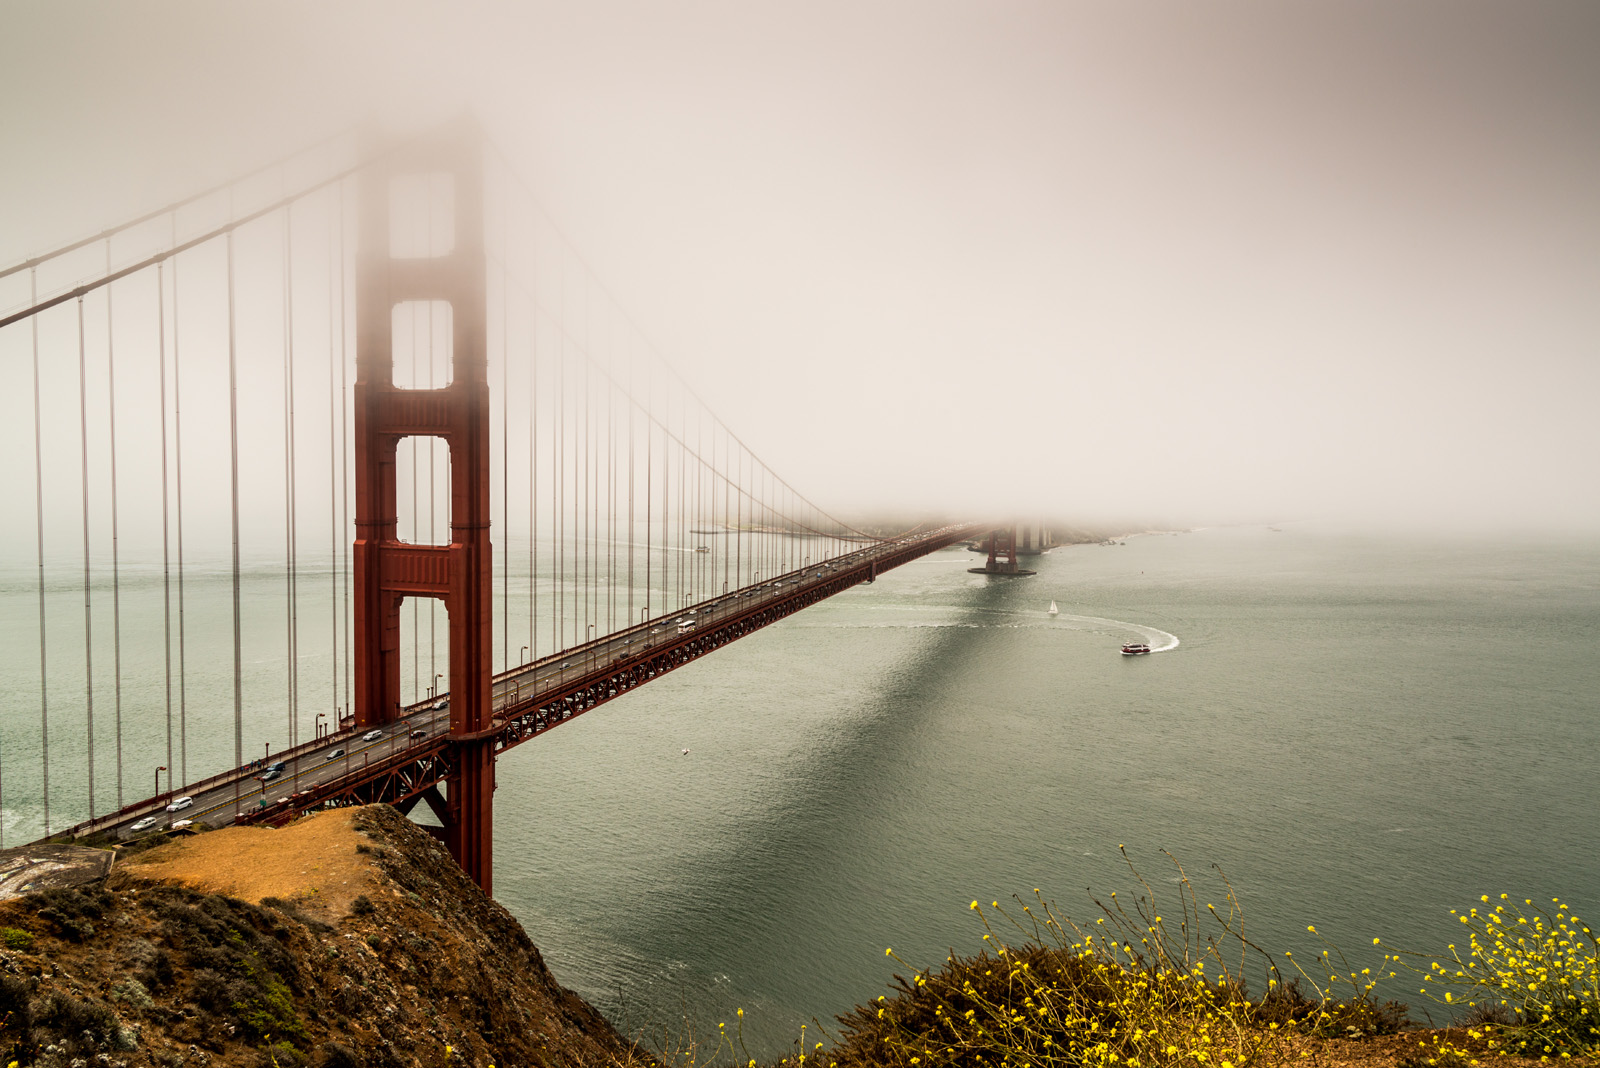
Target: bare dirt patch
312	862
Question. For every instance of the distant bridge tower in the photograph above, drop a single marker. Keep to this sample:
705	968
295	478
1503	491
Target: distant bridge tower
388	570
1032	538
1002	546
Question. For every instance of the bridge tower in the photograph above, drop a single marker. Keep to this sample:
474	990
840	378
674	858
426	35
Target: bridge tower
1002	546
388	570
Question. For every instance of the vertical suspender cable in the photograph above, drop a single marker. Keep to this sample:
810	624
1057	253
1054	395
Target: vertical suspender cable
416	608
433	489
611	488
699	500
344	453
725	492
603	436
233	485
533	479
666	505
558	525
38	495
116	585
505	472
333	478
416	602
166	510
649	493
686	562
590	467
632	418
88	643
177	472
291	643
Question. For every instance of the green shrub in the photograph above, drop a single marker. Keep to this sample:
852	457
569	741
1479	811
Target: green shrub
133	992
17	938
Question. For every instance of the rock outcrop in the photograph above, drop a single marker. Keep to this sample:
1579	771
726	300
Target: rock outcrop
346	939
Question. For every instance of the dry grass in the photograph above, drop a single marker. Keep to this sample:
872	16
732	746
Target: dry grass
312	862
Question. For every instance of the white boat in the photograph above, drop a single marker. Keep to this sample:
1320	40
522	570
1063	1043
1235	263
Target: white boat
1135	648
1053	609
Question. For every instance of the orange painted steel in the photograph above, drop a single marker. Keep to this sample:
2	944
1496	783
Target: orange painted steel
388	570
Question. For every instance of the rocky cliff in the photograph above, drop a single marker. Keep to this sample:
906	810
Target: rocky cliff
346	939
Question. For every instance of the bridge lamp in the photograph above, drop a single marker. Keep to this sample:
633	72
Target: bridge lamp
317	726
523	655
159	770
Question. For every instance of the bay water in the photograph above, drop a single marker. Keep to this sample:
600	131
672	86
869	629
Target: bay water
1361	732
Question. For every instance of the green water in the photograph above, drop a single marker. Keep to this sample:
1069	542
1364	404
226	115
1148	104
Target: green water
1362	732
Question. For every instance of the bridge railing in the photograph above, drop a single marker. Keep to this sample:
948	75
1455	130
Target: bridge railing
158	802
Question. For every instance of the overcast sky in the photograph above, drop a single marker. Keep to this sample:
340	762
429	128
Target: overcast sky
1195	262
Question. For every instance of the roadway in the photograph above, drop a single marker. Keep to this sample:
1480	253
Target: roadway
341	753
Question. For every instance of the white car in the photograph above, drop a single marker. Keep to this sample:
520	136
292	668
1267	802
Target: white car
144	824
180	804
178	825
371	736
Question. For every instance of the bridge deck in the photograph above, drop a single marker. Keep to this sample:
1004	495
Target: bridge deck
402	761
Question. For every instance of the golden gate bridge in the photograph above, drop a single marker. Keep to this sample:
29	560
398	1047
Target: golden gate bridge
362	427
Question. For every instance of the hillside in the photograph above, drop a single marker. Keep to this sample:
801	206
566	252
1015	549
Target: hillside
348	939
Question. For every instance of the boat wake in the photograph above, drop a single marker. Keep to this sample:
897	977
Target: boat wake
1160	641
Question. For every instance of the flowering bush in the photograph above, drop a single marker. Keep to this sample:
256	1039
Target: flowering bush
1536	967
1133	990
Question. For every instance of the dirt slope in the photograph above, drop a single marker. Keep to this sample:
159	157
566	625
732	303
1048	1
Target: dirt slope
346	939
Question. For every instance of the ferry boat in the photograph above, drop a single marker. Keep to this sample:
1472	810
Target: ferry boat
1135	648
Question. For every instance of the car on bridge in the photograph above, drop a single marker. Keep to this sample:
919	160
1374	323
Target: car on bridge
337	753
143	825
180	804
419	733
371	736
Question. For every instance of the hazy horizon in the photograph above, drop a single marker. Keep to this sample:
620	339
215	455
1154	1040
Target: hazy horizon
1186	264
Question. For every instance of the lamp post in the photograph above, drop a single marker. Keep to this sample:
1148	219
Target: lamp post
523	656
318	724
159	770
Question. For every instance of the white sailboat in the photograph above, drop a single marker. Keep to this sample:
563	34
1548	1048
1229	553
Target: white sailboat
1053	609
